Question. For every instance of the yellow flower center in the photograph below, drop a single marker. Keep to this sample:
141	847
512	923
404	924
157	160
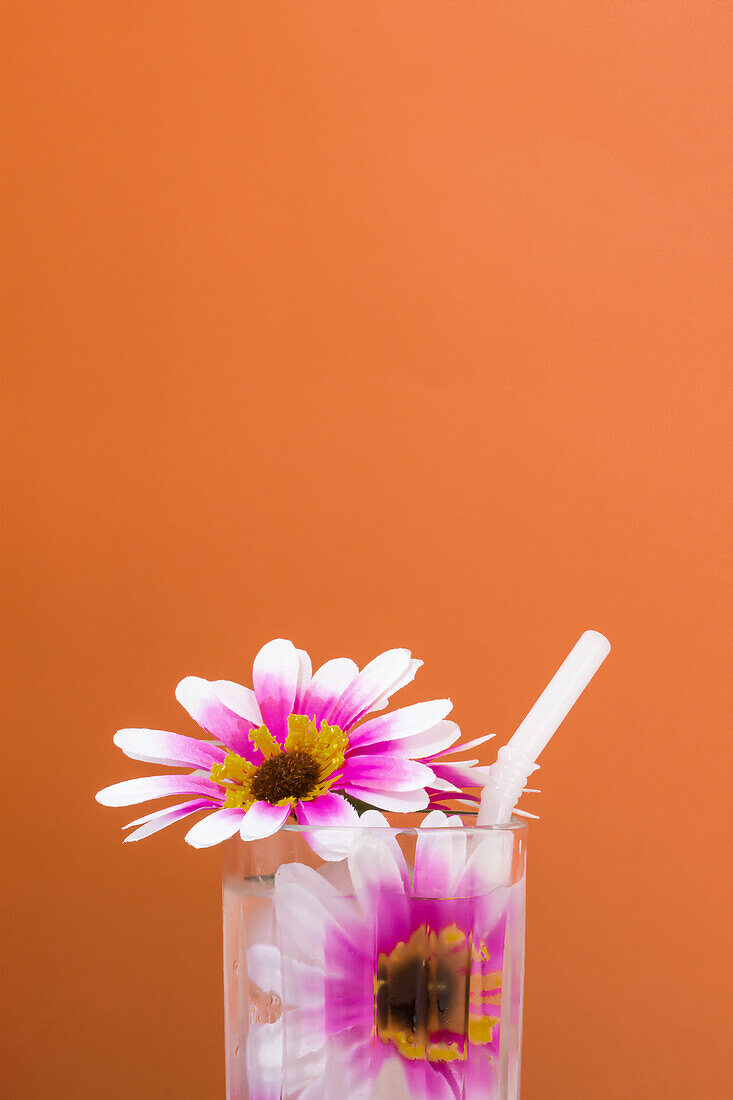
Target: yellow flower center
305	767
430	996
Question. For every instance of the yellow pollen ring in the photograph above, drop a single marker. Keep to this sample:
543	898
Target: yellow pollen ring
325	746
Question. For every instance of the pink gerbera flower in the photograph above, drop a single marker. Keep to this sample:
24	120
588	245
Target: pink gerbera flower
298	743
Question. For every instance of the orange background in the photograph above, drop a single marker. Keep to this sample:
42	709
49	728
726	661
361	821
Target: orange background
367	324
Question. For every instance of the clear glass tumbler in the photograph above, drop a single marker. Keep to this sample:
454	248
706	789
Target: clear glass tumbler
394	973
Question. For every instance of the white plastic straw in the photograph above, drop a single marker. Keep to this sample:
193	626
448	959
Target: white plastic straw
515	762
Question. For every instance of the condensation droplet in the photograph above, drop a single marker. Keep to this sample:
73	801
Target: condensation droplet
265	1008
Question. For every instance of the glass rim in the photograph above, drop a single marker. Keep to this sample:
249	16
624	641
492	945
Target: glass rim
514	825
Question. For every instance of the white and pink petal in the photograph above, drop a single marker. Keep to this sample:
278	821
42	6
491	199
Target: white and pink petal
388	773
375	870
161	819
402	723
440	856
215	828
326	687
373	819
399	801
421	746
132	791
424	746
402	681
466	745
240	700
312	923
263	820
305	673
461	774
374	681
330	810
171	749
275	676
199	697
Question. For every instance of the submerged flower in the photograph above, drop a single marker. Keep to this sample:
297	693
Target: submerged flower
298	742
391	982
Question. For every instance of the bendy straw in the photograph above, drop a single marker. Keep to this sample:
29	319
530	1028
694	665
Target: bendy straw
516	761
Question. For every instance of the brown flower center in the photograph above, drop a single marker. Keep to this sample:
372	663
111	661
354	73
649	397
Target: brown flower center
432	996
287	775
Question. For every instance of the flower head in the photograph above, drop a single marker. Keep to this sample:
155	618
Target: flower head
304	768
296	742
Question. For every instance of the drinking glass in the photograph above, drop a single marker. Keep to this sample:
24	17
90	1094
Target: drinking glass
394	972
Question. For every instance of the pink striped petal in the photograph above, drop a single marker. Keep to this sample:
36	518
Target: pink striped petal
172	749
402	681
401	801
275	679
263	820
390	773
132	791
214	828
200	699
305	672
161	819
239	699
401	723
326	688
374	680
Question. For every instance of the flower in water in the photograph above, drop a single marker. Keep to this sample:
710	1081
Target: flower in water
391	984
298	742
